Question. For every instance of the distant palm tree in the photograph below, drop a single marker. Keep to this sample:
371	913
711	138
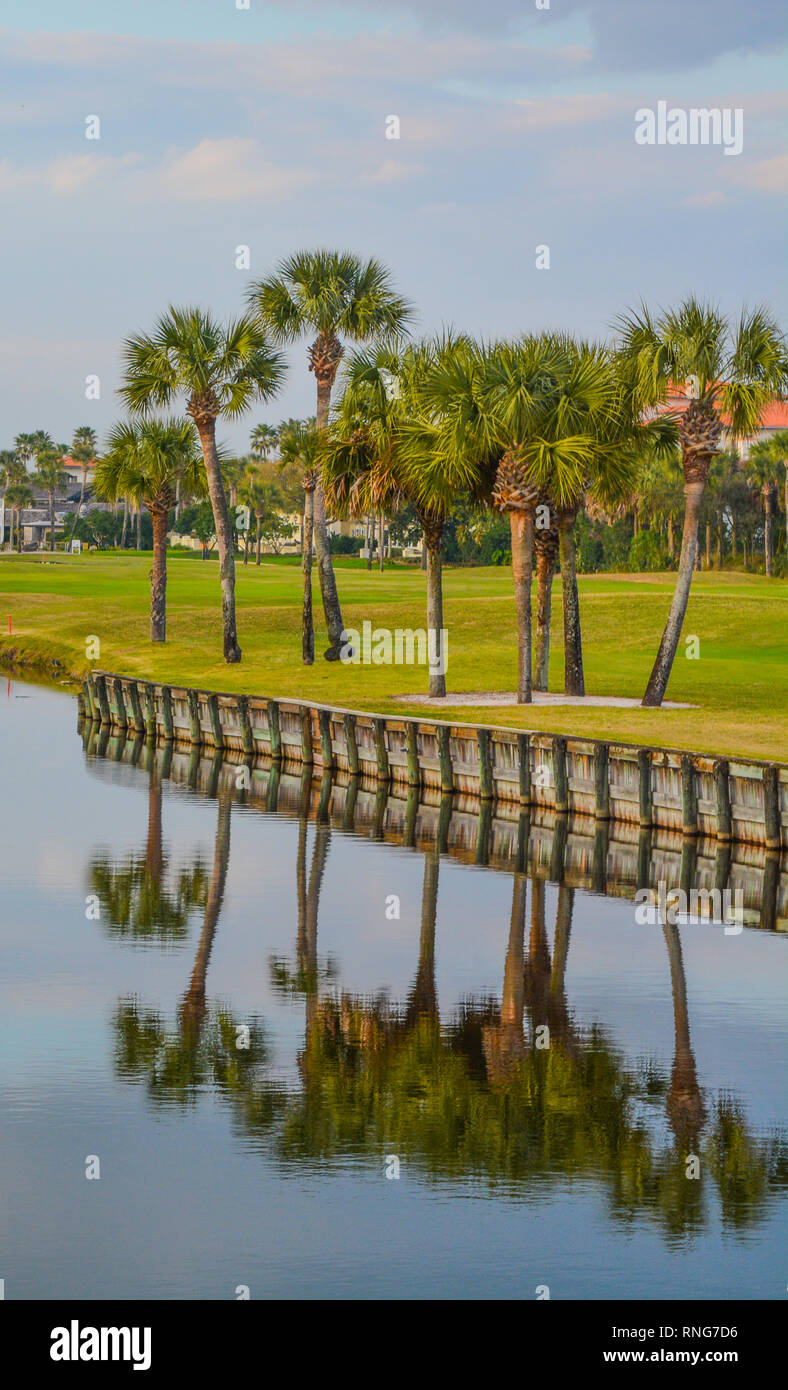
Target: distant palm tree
50	476
263	441
734	371
779	443
335	295
299	444
221	370
13	471
143	461
252	492
763	472
83	450
19	494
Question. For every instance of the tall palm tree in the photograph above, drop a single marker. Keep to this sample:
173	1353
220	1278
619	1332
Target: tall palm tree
83	450
50	476
251	491
25	448
735	370
764	467
334	295
220	370
143	461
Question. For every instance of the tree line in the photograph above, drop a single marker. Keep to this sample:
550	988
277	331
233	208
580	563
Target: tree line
546	430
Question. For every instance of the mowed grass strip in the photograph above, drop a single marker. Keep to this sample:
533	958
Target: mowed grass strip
739	682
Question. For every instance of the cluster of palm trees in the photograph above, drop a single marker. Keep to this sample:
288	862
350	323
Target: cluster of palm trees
536	429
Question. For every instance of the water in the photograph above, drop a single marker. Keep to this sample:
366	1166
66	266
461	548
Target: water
146	921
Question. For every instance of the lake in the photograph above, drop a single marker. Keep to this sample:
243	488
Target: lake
314	1041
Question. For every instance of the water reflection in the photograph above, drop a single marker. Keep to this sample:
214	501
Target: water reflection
508	1094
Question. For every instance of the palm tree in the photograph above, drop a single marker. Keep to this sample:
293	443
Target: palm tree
263	441
299	444
13	469
764	467
251	491
383	449
220	370
24	444
779	443
734	371
19	494
143	461
83	450
334	295
50	476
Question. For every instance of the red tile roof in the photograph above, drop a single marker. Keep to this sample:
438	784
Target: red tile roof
773	416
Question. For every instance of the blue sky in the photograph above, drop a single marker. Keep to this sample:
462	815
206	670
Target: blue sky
266	127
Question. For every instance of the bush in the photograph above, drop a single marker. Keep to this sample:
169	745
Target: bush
345	545
647	553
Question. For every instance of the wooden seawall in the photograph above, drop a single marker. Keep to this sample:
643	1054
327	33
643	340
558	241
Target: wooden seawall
729	800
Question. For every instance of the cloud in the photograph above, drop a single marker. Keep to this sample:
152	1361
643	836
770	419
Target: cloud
768	175
394	171
69	174
712	199
225	171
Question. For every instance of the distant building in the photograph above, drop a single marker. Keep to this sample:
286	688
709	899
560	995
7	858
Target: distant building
774	417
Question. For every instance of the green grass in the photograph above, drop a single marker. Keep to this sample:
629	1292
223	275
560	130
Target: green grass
739	683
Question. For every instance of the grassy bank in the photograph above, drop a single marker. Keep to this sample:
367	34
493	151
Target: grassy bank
739	682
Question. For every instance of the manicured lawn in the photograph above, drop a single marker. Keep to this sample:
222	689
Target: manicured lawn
739	682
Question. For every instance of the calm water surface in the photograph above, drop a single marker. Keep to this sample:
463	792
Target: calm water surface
148	928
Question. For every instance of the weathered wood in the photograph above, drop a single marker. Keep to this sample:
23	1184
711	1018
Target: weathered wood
150	712
195	727
100	687
307	751
771	807
88	697
486	789
601	781
412	744
524	765
381	752
689	798
247	737
722	797
560	779
137	721
444	758
644	858
274	730
645	794
326	746
216	723
168	732
119	706
351	744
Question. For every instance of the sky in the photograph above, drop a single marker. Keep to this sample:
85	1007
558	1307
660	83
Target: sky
266	127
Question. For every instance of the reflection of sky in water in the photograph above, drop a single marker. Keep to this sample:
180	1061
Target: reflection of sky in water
189	1204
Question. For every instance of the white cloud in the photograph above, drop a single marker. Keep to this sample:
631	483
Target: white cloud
768	175
225	171
394	171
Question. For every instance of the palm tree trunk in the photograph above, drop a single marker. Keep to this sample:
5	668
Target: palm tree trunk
521	525
684	1101
381	541
660	675
139	528
574	678
368	541
545	573
734	537
433	532
52	522
768	508
158	587
224	536
259	538
125	523
423	560
328	583
307	620
708	545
